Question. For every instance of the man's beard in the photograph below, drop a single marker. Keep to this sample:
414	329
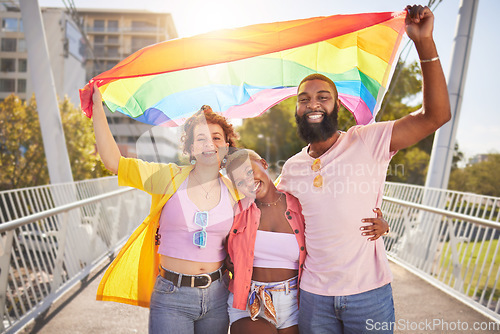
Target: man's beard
318	132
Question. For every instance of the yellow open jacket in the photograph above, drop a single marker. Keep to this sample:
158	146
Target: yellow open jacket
131	277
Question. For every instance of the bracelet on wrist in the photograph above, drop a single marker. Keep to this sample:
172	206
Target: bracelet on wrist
429	60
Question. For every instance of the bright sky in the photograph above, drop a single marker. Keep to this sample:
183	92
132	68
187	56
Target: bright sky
479	125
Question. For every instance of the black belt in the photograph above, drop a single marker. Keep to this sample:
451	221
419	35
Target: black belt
201	281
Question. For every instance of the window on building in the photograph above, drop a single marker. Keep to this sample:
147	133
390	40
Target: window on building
8	65
112	25
143	26
98	39
9	24
111	64
7	85
98	25
21	85
112	51
9	44
22	65
21	45
99	50
113	40
99	66
140	42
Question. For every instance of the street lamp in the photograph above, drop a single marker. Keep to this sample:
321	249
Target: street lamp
268	144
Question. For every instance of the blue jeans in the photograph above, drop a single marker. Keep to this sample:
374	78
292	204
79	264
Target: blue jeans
367	312
284	301
180	310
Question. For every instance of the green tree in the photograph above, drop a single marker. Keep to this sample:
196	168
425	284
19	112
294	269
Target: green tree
22	157
408	165
273	134
481	178
80	141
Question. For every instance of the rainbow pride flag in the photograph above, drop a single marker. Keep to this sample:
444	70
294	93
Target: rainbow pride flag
245	71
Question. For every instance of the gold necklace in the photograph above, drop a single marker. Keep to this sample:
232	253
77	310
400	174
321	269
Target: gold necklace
271	203
202	187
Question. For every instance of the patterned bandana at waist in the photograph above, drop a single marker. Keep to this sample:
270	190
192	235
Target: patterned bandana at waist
261	299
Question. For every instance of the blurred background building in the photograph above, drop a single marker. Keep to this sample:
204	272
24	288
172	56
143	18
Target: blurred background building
82	44
66	49
113	35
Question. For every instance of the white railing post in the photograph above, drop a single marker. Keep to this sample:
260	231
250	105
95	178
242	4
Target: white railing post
6	245
453	244
61	246
61	242
457	267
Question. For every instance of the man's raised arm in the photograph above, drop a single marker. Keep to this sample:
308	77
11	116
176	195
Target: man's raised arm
435	110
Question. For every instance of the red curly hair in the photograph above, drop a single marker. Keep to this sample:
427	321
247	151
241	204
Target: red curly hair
206	116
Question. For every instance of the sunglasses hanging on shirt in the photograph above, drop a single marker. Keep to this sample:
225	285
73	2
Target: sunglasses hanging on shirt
316	167
200	237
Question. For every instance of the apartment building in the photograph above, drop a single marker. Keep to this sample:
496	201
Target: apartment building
66	51
114	35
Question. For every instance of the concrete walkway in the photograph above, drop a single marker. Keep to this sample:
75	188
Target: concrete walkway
420	308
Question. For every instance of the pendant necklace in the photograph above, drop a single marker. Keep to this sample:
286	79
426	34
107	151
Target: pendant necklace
207	196
271	203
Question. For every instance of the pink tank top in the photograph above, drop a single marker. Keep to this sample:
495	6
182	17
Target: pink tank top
266	256
177	227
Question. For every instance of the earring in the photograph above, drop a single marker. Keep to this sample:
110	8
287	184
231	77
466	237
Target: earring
193	161
223	162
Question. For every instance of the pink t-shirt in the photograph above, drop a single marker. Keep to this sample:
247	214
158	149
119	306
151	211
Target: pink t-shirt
340	261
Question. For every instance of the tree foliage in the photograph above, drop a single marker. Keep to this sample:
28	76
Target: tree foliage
273	134
403	97
22	157
409	165
480	178
80	141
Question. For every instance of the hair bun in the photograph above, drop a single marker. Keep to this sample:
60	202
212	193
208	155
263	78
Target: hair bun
206	108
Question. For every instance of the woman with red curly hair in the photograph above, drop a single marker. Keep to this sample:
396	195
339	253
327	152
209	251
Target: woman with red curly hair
173	262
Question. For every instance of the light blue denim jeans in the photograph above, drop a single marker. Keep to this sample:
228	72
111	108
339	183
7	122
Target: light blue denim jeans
285	304
367	312
180	310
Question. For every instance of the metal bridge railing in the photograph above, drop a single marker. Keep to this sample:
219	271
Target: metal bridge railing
449	238
52	236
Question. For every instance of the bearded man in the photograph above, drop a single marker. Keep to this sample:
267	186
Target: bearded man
339	179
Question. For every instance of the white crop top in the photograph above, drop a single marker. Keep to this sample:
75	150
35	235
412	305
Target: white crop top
266	254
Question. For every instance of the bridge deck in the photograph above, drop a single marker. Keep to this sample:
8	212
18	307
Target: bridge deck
417	303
